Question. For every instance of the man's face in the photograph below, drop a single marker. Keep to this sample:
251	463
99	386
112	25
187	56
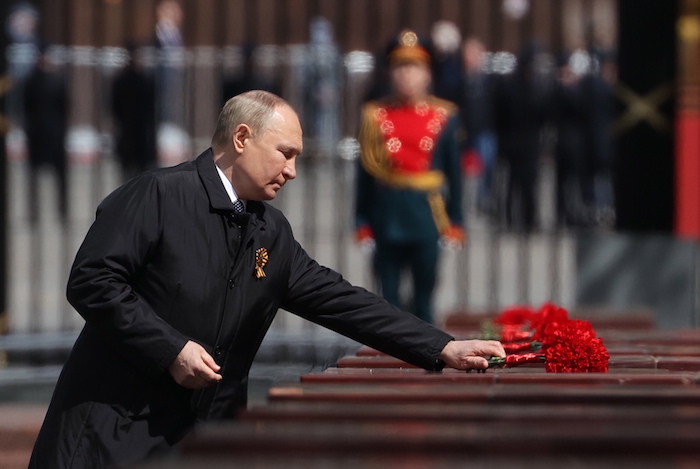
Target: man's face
473	55
266	161
410	80
170	12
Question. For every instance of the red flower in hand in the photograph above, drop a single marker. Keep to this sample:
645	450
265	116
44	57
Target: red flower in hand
515	347
516	359
513	334
567	346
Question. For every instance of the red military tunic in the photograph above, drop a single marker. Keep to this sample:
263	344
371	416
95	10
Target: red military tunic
409	182
409	133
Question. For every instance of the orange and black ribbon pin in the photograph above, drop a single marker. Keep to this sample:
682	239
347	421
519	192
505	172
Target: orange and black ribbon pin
261	258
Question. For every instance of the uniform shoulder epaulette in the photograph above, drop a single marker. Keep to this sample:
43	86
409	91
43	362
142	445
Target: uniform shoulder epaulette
448	106
372	109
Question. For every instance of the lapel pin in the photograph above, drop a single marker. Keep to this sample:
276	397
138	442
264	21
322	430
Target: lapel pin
260	261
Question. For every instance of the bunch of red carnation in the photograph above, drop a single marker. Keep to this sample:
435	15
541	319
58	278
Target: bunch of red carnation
565	345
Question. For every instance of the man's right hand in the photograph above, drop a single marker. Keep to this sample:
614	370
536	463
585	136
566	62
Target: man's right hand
194	368
468	354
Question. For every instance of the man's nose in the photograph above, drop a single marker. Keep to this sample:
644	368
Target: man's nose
290	169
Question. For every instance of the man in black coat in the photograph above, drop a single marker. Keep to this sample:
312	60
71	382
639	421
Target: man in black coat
178	288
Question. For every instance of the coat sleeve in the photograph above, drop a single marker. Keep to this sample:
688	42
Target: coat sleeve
123	236
322	296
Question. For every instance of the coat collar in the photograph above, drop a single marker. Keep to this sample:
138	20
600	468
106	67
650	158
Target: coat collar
218	198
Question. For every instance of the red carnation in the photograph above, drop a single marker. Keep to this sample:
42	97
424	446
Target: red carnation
549	314
573	347
568	345
515	316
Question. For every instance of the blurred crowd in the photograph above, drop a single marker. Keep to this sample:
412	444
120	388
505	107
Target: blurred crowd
516	110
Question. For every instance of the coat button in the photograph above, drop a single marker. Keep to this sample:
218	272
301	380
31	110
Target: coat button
218	351
230	283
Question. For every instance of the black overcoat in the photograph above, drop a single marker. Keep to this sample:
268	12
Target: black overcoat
166	261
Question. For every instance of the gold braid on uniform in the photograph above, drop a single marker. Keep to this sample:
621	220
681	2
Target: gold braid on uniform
375	161
437	206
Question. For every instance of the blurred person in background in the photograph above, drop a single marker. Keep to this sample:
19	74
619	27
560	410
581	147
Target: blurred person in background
598	88
172	112
170	72
22	53
568	150
524	104
179	278
380	84
477	107
21	26
249	78
409	182
134	110
322	82
447	62
46	105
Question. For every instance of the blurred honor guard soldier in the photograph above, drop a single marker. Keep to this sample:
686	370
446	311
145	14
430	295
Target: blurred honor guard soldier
409	181
179	278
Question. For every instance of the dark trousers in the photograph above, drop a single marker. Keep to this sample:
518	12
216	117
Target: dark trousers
421	259
521	200
60	170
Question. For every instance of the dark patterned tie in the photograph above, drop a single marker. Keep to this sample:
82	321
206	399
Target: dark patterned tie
238	206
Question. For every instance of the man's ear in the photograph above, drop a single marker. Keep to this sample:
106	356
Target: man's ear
239	137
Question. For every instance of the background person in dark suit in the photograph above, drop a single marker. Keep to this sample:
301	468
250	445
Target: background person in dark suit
598	89
476	107
249	78
569	147
134	111
45	99
179	278
524	104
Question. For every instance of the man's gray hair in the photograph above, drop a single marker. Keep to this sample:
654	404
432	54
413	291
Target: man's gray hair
253	108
